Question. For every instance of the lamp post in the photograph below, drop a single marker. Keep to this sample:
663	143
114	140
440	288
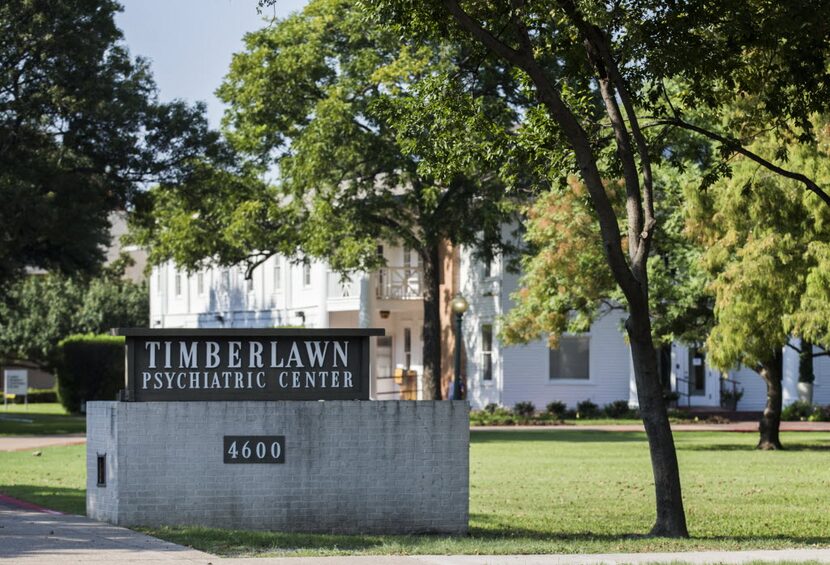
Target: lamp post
459	306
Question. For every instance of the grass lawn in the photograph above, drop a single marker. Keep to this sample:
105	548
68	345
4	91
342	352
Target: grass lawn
549	491
39	419
55	479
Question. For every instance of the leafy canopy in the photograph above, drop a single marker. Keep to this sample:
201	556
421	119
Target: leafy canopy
766	241
80	131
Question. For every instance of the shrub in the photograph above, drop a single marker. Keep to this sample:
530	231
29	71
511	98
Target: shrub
556	408
498	417
89	367
798	411
37	396
586	410
524	409
491	408
821	414
618	409
671	396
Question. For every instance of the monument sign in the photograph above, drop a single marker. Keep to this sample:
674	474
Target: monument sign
272	429
16	382
249	365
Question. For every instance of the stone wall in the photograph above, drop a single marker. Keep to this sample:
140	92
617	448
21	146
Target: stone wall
350	466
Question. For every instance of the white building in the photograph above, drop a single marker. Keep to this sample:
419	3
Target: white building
593	366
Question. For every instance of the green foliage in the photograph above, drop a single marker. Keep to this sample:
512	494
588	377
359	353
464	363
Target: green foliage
556	408
89	367
800	411
498	416
524	409
39	311
565	276
729	398
618	409
37	396
566	282
761	233
80	131
586	410
370	143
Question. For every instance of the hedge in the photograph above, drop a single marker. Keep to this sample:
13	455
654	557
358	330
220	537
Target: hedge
89	367
35	396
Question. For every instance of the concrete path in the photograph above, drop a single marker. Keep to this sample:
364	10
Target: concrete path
30	537
733	427
37	538
23	443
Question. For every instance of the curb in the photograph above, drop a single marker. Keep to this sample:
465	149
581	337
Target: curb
23	505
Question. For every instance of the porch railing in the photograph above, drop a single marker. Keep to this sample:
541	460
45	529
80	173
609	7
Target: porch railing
399	283
339	287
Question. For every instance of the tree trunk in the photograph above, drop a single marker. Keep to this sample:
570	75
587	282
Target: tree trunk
806	369
671	518
432	325
630	275
772	372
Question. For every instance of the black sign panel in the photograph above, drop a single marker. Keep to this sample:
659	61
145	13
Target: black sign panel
248	364
254	449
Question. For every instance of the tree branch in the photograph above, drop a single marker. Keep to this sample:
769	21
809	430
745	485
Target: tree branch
549	95
737	147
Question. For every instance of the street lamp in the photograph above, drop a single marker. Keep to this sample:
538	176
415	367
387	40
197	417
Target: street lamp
459	306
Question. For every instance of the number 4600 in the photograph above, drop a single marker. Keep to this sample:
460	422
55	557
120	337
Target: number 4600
253	449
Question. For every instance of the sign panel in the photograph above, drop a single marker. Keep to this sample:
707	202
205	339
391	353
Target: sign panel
16	381
254	449
248	364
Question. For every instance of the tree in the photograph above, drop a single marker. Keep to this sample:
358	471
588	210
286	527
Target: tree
764	238
80	131
348	116
40	310
627	50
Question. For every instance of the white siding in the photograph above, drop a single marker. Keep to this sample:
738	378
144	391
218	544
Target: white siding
821	388
521	373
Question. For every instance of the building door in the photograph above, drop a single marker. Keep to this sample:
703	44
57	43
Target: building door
697	372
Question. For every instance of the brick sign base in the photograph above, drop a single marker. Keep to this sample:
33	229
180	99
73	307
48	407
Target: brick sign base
391	467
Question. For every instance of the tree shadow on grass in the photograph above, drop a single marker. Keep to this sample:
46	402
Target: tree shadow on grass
816	445
504	532
62	499
562	436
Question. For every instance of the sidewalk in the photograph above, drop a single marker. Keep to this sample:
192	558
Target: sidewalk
30	537
744	427
24	443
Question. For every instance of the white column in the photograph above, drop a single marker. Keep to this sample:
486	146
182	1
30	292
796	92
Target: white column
323	295
789	377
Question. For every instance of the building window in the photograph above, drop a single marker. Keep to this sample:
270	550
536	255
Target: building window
178	284
407	347
200	283
487	352
226	279
697	372
306	274
277	276
570	359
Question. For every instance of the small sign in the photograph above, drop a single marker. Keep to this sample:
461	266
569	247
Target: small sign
16	381
254	449
248	364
